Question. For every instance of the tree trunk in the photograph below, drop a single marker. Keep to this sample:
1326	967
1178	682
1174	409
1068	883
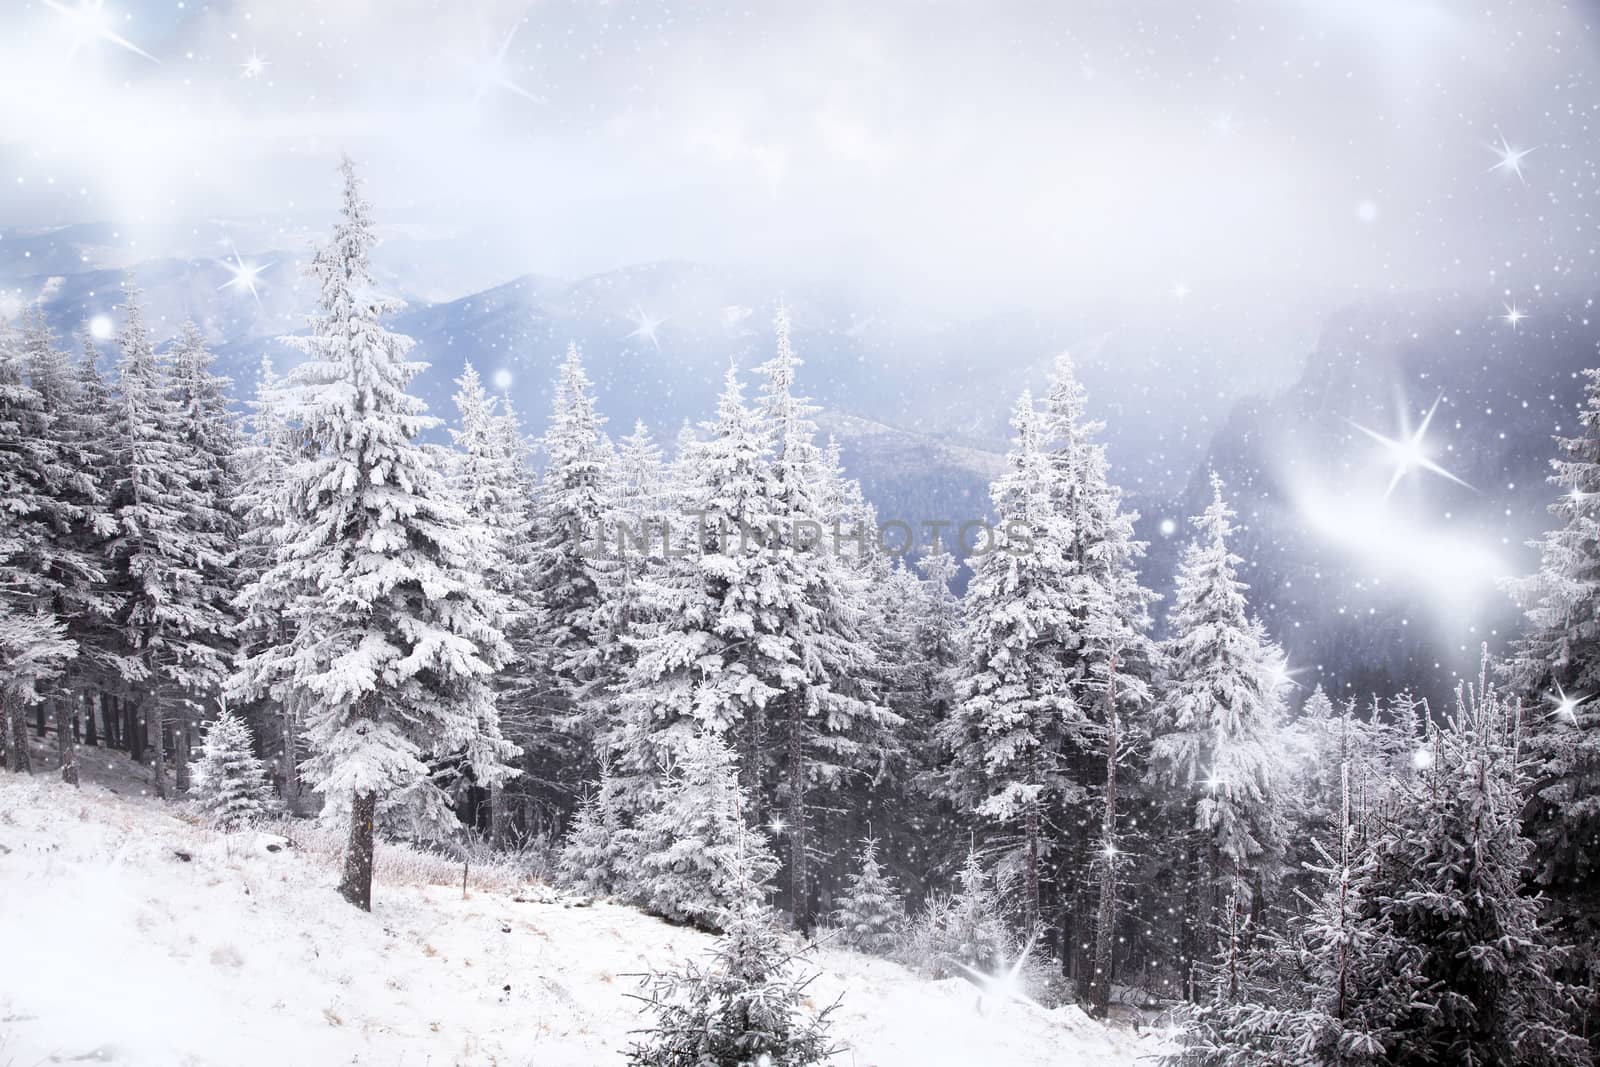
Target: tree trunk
39	715
1191	920
155	726
497	816
181	751
66	744
356	884
133	727
799	887
750	766
17	758
1106	922
292	790
89	736
1030	900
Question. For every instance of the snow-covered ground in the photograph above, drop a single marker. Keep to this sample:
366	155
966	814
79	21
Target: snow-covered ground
130	935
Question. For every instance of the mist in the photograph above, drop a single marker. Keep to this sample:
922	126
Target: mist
952	155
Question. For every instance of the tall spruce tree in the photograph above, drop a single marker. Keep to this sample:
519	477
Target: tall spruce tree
1016	714
1105	640
703	654
392	661
571	528
638	499
76	408
33	643
825	711
265	456
1216	730
490	482
1555	667
1448	881
210	432
170	550
1312	994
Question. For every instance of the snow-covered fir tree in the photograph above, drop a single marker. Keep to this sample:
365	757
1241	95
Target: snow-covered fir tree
230	781
265	456
597	857
210	432
1216	732
33	475
1105	638
1449	883
630	599
34	650
747	1005
34	646
698	860
937	655
77	408
897	796
1555	667
489	480
532	703
639	499
962	932
1324	744
1017	713
939	632
824	712
392	661
1402	733
1311	994
870	912
1421	946
170	548
571	528
700	658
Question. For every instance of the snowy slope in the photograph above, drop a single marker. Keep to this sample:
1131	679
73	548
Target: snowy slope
117	949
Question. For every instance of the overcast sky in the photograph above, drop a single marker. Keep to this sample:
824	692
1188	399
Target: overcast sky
999	150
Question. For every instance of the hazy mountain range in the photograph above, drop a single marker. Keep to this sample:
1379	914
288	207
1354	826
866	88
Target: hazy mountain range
919	400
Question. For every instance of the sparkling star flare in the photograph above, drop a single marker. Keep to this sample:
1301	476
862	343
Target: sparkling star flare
1514	315
1280	675
1006	981
491	73
1566	704
244	275
646	327
1408	450
91	21
1511	158
254	66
